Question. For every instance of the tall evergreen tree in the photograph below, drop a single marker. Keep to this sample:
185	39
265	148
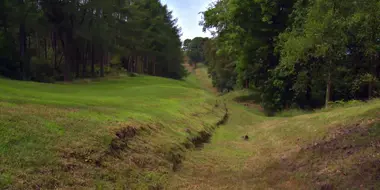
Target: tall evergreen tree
63	40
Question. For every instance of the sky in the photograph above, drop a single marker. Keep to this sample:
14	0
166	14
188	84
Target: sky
187	12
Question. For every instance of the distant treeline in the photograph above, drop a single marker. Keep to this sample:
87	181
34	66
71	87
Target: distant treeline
195	49
295	53
49	40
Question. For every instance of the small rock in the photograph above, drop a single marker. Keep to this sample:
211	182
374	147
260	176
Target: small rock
188	130
327	187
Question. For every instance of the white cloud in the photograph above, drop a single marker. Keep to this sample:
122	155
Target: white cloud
188	16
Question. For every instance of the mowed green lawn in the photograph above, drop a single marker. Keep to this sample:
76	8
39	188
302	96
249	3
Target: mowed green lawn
338	148
67	136
52	134
335	148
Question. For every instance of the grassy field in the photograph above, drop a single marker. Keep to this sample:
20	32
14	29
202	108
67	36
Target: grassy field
114	133
147	133
336	148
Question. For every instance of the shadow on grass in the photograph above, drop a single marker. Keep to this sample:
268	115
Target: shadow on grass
348	159
250	100
251	96
292	113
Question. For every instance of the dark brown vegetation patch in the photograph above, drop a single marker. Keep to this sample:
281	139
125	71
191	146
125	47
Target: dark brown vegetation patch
348	158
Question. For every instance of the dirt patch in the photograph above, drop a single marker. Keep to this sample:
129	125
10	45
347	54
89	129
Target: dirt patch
347	158
129	153
175	156
128	156
250	101
119	144
189	68
75	159
202	138
123	136
252	105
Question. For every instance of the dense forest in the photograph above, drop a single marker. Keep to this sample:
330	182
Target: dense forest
295	53
54	40
194	49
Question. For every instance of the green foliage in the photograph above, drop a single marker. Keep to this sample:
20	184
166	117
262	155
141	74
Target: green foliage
341	103
195	49
220	67
297	52
291	113
72	38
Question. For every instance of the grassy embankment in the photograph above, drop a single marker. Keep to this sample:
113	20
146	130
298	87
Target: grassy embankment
127	132
338	148
133	132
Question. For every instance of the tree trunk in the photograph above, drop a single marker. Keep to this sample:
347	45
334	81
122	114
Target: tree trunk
84	65
29	41
45	48
373	74
68	53
134	64
23	46
146	65
93	60
138	65
66	70
38	46
328	89
107	63
154	67
76	62
130	64
54	44
102	65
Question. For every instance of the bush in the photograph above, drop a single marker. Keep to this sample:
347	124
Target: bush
41	70
342	103
291	113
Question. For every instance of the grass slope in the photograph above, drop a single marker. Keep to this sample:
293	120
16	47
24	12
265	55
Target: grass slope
328	149
118	133
140	133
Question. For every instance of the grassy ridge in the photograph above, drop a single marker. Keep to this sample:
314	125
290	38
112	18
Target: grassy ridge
132	132
53	135
330	148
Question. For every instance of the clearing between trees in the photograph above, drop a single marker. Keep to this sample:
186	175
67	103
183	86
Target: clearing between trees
154	133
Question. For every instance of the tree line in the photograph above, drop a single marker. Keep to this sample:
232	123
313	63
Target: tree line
49	40
194	50
295	53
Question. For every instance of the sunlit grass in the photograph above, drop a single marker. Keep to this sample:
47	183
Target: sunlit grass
41	123
230	162
49	133
238	164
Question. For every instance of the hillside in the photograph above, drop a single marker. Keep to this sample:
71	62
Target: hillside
126	132
154	133
337	148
